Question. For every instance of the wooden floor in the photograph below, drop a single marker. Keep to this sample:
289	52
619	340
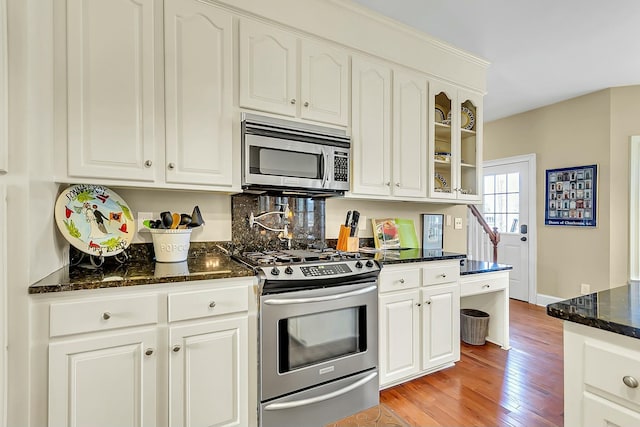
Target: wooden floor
491	386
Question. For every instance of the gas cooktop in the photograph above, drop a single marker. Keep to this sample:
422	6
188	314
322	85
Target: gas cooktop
322	267
287	257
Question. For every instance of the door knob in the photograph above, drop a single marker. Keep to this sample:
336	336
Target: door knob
524	239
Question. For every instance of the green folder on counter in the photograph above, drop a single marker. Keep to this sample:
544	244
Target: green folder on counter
407	233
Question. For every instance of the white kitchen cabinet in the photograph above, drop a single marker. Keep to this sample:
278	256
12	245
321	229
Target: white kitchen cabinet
284	74
208	362
419	319
112	89
399	338
389	150
208	373
198	93
108	380
146	357
440	321
455	143
371	127
597	364
119	128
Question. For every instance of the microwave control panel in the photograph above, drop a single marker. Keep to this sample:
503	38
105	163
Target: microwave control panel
341	167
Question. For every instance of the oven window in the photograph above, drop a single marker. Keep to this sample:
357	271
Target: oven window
315	338
295	164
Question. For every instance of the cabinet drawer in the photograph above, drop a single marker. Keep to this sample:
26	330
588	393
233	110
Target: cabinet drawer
440	273
397	280
102	314
605	368
482	283
212	302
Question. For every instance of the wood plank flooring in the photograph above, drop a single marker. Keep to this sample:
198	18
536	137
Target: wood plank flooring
491	386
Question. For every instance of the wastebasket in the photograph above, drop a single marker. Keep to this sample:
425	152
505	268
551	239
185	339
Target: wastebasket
474	325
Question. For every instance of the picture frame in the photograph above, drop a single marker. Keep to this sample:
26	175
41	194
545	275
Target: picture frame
570	196
432	231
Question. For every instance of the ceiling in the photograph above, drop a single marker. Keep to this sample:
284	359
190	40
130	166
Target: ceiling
541	51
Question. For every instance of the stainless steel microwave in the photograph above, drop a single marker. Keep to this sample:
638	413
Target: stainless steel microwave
291	157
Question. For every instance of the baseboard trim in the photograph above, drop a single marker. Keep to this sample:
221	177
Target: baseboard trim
545	300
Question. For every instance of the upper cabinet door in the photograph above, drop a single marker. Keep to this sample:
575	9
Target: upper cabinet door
268	63
470	175
324	85
409	134
198	93
111	73
371	128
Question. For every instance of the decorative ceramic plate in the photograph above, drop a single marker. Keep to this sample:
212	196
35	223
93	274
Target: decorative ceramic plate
440	181
441	114
94	219
467	119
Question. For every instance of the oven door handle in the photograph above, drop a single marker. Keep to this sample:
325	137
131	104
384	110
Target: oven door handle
312	400
277	301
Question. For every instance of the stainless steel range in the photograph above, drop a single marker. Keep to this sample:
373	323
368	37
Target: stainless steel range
318	346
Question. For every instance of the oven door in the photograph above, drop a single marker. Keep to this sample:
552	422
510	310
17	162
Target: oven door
315	336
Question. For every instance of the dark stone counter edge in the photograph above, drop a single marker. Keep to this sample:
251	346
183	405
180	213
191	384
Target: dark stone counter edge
390	261
136	281
604	325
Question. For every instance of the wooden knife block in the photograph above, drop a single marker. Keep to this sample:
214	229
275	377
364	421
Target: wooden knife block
345	242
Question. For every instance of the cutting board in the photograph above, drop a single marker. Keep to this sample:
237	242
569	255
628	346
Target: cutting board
407	233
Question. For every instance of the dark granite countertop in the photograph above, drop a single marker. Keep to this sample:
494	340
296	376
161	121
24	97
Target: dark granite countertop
615	310
389	257
203	263
471	266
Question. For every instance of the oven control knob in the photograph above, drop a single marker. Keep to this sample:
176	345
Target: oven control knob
288	270
358	264
369	263
275	271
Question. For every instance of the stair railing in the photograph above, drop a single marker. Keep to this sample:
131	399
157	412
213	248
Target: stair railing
492	233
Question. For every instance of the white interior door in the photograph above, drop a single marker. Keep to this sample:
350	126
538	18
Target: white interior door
508	204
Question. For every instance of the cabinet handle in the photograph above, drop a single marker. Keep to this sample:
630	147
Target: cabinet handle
418	304
306	103
176	348
293	101
148	163
106	315
443	275
486	286
387	183
630	381
397	184
401	280
171	165
212	304
428	302
148	351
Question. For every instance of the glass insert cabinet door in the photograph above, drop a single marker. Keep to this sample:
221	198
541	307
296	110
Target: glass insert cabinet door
455	143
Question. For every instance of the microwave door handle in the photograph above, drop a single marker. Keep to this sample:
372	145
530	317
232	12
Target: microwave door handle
325	174
333	297
312	400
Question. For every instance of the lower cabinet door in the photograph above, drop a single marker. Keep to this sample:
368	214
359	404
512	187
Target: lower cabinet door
601	412
208	373
399	336
104	381
440	325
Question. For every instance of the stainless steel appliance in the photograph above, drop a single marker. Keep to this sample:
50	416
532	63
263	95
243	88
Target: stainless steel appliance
318	346
295	158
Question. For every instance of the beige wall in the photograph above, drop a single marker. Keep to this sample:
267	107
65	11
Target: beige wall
590	129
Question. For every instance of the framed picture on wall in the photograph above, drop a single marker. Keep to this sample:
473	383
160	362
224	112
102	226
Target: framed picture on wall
570	196
432	226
